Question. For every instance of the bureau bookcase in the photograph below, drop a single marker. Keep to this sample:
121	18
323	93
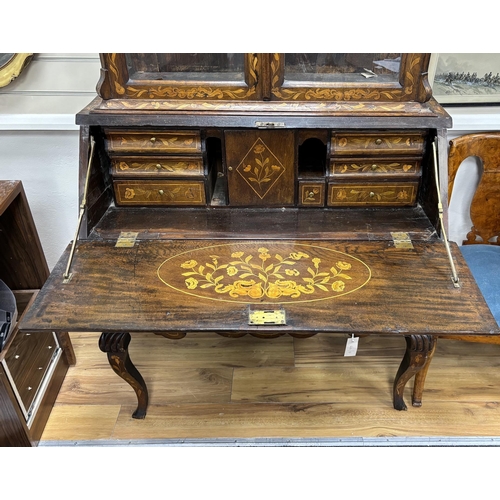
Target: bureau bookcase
263	194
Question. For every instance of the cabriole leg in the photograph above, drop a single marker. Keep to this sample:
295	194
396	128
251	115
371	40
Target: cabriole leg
116	347
419	349
418	387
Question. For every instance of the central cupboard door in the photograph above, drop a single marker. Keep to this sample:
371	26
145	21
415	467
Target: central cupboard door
260	167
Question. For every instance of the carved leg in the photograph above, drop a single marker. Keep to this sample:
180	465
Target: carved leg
116	346
416	356
418	387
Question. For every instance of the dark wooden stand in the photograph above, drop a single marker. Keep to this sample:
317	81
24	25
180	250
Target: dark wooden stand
30	374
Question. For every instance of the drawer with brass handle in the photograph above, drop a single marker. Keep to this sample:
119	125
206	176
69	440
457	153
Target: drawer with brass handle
374	194
153	141
394	143
161	166
161	193
373	166
311	194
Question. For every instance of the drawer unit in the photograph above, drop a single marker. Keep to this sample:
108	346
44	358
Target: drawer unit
183	193
375	168
157	167
161	166
153	141
28	364
374	194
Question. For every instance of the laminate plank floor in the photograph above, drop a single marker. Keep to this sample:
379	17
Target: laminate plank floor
206	388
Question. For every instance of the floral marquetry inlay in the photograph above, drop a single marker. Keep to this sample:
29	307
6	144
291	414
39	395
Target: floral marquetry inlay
260	168
268	272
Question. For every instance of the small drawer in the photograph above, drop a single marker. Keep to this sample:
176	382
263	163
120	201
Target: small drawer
184	193
166	166
373	166
153	141
311	194
377	143
376	194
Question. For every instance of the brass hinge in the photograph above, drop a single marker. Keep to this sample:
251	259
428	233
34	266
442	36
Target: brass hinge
401	240
126	239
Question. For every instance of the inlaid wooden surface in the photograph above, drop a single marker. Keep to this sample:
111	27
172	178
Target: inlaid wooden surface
209	387
210	286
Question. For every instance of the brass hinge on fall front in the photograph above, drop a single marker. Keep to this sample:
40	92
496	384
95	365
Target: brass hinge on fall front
83	207
401	240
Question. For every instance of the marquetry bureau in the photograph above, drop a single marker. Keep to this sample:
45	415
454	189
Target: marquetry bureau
263	194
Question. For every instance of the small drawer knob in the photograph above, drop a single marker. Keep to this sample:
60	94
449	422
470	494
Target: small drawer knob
230	168
161	191
158	166
378	142
153	139
372	194
374	166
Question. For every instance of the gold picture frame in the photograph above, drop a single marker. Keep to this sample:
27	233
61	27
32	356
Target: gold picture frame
11	66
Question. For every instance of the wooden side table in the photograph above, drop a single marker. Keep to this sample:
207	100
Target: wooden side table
32	367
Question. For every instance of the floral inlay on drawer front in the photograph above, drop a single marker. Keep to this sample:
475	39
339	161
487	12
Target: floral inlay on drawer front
311	194
377	143
403	194
148	167
154	141
278	272
160	193
374	167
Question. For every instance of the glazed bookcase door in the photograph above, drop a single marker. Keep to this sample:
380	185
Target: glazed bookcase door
181	76
349	77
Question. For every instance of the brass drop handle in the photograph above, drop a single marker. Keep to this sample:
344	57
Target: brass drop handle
378	142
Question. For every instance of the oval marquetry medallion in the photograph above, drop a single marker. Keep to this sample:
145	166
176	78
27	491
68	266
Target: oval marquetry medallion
265	272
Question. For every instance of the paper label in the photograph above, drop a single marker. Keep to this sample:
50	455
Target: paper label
352	346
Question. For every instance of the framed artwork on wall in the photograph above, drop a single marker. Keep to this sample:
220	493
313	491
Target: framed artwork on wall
466	79
11	66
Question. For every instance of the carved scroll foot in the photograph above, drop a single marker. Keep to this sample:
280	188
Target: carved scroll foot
419	349
116	347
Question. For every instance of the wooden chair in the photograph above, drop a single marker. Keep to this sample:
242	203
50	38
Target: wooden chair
481	249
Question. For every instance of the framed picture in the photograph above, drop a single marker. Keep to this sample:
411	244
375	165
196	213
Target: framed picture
11	66
467	79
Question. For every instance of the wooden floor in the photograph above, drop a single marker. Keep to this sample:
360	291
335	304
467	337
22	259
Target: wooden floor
212	389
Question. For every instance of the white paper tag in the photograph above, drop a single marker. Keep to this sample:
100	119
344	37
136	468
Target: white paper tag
352	346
